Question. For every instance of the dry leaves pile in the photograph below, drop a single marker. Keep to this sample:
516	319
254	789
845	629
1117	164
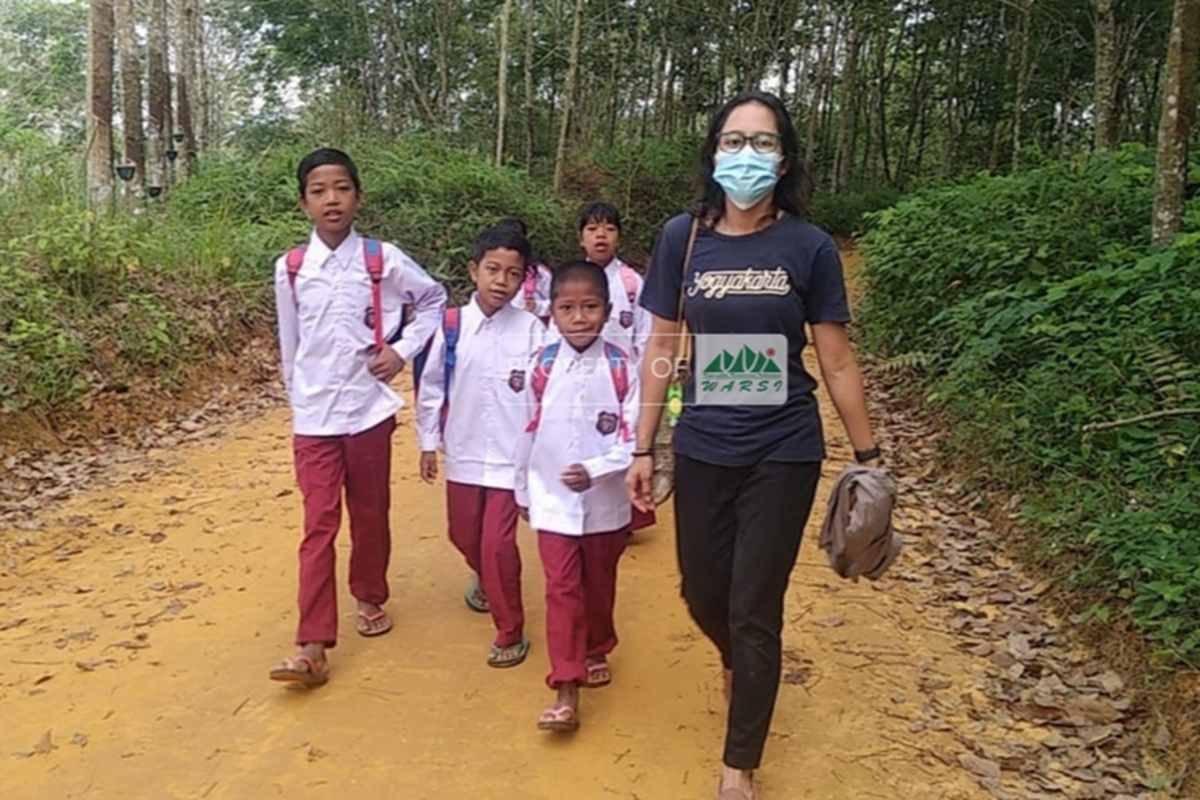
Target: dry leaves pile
31	484
1044	718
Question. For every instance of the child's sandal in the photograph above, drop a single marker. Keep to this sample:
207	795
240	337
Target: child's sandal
560	718
599	673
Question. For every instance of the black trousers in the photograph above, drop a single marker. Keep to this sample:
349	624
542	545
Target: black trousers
738	532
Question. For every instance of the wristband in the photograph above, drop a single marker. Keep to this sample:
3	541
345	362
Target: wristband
870	454
643	454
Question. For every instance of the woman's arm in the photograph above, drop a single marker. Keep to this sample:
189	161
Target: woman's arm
654	375
658	367
842	377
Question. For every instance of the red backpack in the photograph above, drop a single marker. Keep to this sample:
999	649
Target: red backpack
618	367
373	256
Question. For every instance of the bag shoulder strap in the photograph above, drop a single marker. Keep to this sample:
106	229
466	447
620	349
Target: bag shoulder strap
618	368
629	278
295	260
543	363
373	257
450	329
687	262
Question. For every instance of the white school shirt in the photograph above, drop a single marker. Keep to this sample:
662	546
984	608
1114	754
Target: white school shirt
487	414
326	337
582	423
541	293
628	327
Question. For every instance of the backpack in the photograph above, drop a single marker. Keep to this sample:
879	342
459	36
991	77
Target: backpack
530	284
450	330
618	367
629	278
373	257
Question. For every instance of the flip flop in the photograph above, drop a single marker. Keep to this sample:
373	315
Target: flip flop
366	623
301	669
476	599
559	718
510	656
599	674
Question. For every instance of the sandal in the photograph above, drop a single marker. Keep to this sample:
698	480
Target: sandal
376	624
559	718
302	669
509	655
598	674
476	599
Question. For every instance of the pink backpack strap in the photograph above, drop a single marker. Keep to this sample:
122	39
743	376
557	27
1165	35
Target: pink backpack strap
618	367
373	257
294	261
531	281
629	278
543	363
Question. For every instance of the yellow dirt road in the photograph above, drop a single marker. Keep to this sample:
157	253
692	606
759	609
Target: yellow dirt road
133	662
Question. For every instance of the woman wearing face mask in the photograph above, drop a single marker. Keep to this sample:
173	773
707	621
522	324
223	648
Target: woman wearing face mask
746	261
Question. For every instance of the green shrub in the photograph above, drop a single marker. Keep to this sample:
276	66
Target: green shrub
849	214
1040	308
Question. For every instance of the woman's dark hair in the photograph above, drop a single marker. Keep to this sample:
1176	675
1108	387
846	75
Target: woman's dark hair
793	190
324	157
502	237
580	271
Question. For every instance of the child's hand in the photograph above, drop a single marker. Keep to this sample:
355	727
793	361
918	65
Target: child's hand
576	478
386	364
530	304
523	512
429	467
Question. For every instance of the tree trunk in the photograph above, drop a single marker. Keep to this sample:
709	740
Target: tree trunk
1107	118
502	83
100	94
1024	74
529	126
160	94
820	92
560	158
186	88
844	156
1178	117
131	90
954	100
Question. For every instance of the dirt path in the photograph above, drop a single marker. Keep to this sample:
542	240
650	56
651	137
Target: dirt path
137	628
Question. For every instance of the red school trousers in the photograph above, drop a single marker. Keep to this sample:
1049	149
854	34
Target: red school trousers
643	519
483	526
361	466
581	591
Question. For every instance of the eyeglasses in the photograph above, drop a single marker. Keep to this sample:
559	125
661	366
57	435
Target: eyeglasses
762	142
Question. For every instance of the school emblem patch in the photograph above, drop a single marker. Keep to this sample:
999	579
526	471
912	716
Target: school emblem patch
626	319
606	423
369	318
516	380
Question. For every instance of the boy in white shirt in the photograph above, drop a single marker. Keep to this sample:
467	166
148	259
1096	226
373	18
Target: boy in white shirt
628	325
534	296
340	300
470	403
582	398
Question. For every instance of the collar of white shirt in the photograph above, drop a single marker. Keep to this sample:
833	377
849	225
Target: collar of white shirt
346	252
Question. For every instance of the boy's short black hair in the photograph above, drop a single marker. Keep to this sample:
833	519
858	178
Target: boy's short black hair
516	223
323	157
599	211
585	271
502	237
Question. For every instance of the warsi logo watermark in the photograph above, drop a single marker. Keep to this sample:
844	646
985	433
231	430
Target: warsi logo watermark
741	369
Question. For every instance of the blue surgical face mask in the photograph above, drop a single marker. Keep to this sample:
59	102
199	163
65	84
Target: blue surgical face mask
747	175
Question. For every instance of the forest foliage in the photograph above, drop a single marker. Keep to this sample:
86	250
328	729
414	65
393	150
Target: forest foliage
1035	306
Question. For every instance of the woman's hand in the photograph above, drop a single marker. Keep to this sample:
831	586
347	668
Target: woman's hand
639	481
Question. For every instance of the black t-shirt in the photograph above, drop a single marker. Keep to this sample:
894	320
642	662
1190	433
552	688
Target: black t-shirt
740	284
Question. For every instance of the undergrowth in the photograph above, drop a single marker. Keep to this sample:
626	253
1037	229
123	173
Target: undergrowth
1035	307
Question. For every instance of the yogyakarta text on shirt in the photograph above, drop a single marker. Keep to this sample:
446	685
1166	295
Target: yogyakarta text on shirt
718	283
